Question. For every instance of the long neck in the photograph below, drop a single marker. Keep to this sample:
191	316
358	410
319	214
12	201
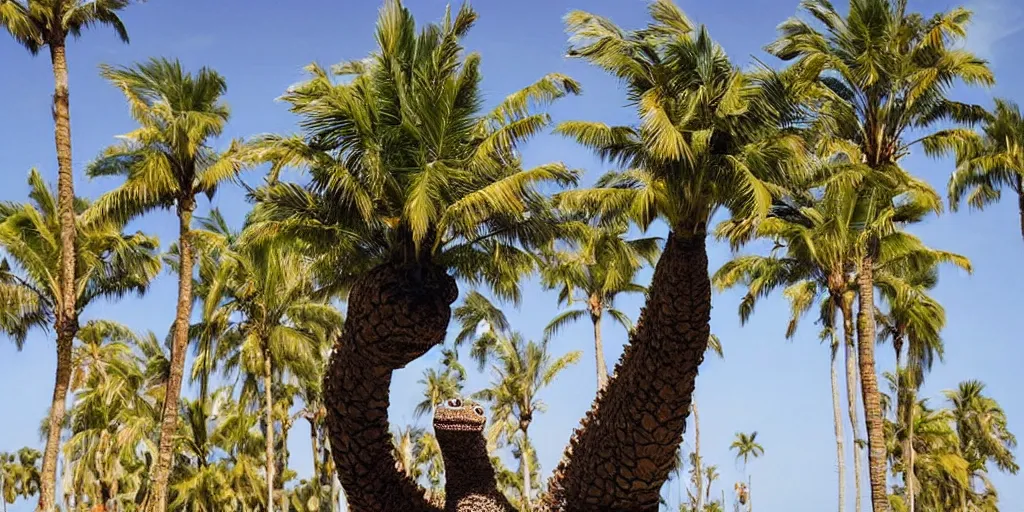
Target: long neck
467	466
648	398
361	442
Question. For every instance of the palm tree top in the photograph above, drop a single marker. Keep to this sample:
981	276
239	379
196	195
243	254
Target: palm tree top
746	446
38	23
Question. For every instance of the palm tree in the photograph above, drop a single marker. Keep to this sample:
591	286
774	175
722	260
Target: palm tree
48	23
746	446
523	370
19	475
481	325
110	264
989	161
438	387
701	143
167	162
714	347
603	266
981	427
268	321
409	180
879	72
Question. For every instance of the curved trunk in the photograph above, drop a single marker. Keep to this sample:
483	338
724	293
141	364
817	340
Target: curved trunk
269	434
648	397
156	501
869	385
846	306
602	368
58	408
395	315
837	422
67	311
697	470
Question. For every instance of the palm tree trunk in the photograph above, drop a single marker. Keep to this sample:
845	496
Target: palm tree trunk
851	394
869	385
648	397
315	442
602	368
1020	201
269	435
697	471
156	501
908	449
527	483
67	315
837	421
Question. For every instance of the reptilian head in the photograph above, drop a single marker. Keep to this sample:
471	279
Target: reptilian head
455	415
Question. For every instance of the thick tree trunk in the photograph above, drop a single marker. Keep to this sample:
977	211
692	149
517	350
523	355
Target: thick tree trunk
269	434
156	501
697	470
602	368
869	386
67	313
851	394
395	315
622	454
58	408
837	422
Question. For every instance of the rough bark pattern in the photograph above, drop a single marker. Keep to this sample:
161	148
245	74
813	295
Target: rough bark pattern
157	500
269	435
622	454
58	408
869	386
470	484
837	421
395	315
595	317
67	313
851	394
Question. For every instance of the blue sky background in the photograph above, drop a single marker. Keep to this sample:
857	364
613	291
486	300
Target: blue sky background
776	387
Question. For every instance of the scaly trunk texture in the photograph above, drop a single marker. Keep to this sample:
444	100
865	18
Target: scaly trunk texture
396	313
67	314
837	421
58	408
470	483
269	435
621	455
602	368
527	484
851	394
697	470
157	499
869	385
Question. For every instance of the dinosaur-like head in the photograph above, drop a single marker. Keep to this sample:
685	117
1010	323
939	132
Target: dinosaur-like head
456	415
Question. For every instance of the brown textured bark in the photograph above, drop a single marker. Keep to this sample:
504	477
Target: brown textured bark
156	501
869	385
395	315
58	408
602	368
837	422
67	315
470	483
697	470
269	434
622	454
846	307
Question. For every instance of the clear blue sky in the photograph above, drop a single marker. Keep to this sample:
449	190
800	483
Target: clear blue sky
779	388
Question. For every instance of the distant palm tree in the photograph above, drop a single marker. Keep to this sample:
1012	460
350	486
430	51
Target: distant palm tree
522	370
438	386
110	264
167	162
990	161
48	23
603	266
481	325
746	446
20	476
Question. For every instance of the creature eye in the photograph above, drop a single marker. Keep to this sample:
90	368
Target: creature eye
479	410
454	402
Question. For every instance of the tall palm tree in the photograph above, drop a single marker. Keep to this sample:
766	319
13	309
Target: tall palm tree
438	387
746	446
989	161
270	321
167	162
603	266
701	143
481	325
714	347
48	23
109	265
410	179
523	369
879	72
20	475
